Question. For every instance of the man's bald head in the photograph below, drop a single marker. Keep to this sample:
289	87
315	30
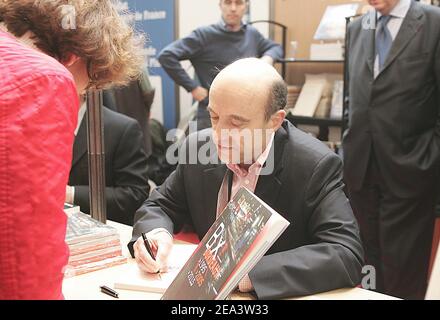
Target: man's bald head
258	79
246	102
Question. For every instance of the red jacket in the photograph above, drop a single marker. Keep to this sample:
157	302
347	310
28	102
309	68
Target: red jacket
38	116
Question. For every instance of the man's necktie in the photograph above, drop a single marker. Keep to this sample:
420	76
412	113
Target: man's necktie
383	40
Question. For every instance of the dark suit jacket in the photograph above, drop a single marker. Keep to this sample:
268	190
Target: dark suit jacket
125	167
321	249
398	112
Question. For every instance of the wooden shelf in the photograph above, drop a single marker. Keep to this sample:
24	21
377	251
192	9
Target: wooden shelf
291	60
314	121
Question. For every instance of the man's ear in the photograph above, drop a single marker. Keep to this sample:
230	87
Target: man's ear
70	60
277	119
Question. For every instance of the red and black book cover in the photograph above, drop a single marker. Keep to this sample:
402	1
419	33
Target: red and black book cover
221	250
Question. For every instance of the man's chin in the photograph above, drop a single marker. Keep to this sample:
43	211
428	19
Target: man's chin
233	23
378	6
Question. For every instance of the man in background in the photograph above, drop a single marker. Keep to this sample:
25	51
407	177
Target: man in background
213	47
392	146
125	166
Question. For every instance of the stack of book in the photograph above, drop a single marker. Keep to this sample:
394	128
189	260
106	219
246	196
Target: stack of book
337	100
317	96
93	245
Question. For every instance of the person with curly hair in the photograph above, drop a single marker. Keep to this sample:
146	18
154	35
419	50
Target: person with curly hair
50	53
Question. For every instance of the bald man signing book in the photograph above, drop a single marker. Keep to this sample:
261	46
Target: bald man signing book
251	145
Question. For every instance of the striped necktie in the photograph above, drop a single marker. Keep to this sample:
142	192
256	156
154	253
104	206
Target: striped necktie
384	40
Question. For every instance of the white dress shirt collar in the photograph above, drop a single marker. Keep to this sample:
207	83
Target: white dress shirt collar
400	10
81	113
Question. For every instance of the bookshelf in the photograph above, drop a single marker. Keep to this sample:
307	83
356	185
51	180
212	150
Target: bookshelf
323	123
298	68
304	61
302	19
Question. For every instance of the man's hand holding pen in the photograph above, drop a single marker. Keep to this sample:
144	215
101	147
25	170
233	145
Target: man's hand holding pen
161	244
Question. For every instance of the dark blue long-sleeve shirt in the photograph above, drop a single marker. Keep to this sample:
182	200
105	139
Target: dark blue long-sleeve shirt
210	49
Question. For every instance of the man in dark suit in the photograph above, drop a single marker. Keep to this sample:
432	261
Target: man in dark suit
125	167
296	175
392	146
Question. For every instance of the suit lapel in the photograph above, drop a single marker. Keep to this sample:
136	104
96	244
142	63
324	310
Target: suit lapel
212	180
368	36
410	26
269	186
80	144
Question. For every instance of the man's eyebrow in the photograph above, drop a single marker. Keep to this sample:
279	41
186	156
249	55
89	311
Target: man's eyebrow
210	110
233	117
239	118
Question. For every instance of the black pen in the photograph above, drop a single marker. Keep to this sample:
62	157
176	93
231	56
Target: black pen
149	250
109	291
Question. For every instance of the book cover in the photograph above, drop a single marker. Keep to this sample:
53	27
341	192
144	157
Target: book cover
236	241
81	228
332	25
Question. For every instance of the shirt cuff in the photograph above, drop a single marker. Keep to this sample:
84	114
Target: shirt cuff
245	285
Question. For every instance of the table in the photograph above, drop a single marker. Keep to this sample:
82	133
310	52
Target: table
86	286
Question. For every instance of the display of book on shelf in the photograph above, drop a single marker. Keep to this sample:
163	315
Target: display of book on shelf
315	98
433	292
309	97
92	245
233	245
337	100
332	25
82	228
